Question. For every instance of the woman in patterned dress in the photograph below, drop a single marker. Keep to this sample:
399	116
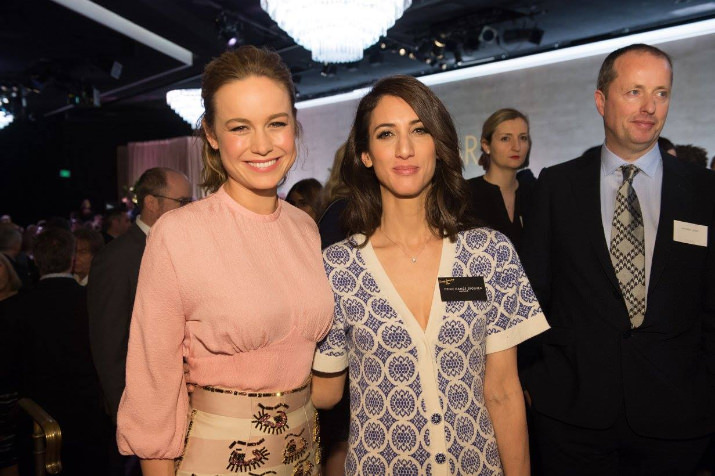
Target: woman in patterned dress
428	308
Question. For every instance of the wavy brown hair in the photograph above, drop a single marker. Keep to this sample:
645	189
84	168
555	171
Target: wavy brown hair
241	63
446	208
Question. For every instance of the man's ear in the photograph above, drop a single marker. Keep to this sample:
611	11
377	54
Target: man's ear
151	203
600	100
366	160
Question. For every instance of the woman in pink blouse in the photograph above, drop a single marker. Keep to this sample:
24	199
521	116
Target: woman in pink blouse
234	286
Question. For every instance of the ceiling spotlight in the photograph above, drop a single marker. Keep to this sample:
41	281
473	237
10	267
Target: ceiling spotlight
230	29
458	58
456	49
438	48
488	34
402	51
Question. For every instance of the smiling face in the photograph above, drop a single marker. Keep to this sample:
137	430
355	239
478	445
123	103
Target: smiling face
401	150
254	132
509	145
635	106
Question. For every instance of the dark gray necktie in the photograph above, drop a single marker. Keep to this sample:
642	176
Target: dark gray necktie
628	247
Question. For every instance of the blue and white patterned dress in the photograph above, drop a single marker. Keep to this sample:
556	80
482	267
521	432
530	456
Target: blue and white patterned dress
416	397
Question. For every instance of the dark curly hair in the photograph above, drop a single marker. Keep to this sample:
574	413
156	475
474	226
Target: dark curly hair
446	207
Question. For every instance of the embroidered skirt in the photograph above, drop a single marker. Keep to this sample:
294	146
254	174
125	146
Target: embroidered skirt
255	434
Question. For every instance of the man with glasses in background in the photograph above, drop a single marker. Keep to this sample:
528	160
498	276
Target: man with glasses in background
115	271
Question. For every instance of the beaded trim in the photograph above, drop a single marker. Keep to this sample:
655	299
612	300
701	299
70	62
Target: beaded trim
254	395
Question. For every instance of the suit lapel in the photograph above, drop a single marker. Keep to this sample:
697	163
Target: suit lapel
586	187
672	196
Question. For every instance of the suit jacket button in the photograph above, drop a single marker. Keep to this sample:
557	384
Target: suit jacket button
627	334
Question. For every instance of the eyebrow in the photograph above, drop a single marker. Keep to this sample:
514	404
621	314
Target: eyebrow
270	118
390	124
642	86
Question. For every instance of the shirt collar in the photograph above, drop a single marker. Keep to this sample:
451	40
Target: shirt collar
142	226
647	163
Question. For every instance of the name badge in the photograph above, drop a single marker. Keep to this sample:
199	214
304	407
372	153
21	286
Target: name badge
462	289
690	233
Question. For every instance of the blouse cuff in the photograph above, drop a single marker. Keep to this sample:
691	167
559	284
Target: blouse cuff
329	364
526	329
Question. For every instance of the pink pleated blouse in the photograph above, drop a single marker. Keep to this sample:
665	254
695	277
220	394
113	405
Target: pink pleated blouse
242	297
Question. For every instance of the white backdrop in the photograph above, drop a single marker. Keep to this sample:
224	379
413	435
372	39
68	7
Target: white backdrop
558	99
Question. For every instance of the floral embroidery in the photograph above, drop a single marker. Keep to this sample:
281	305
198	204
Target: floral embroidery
237	461
273	424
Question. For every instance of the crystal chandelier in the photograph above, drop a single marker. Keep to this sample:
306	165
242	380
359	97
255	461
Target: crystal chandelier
5	118
335	31
186	103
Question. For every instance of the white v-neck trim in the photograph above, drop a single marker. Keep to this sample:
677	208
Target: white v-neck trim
388	290
425	341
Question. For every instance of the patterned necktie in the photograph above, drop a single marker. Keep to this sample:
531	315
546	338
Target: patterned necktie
628	247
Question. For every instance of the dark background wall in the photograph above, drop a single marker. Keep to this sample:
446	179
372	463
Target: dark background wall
83	141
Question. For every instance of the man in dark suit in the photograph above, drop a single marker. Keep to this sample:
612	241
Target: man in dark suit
57	370
619	248
115	271
115	224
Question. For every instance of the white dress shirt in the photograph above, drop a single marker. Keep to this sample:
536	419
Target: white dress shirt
648	184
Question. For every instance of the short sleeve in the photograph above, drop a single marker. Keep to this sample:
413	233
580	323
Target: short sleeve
153	412
331	353
516	315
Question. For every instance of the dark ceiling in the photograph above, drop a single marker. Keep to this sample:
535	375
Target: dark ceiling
58	60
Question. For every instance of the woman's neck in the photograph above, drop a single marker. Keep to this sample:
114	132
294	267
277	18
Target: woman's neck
404	219
505	179
263	202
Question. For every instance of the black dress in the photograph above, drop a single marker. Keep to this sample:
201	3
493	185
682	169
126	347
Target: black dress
334	423
488	205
